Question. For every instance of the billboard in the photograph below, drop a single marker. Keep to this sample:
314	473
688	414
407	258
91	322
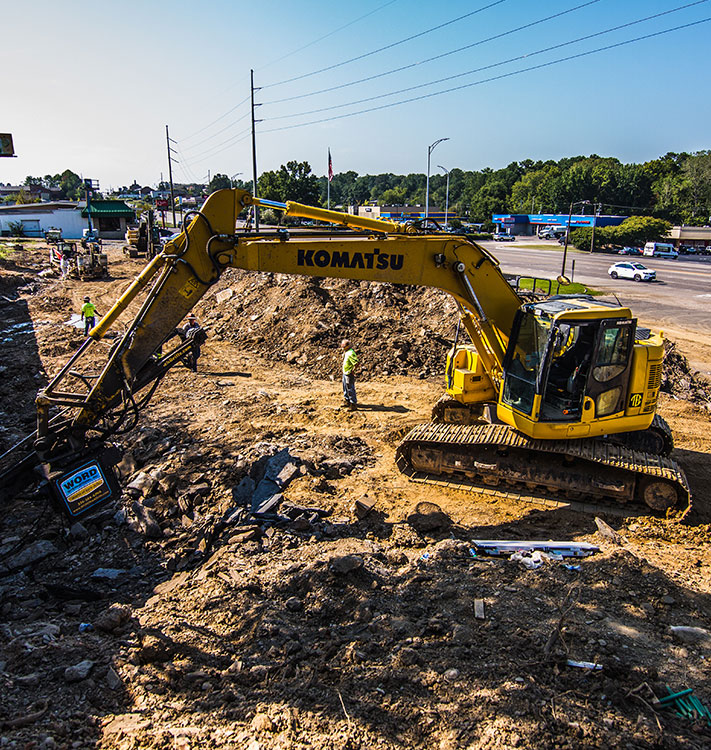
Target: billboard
6	145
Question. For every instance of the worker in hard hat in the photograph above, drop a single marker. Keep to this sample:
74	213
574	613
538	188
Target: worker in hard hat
189	331
88	315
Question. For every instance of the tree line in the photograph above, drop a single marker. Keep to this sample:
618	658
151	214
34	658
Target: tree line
675	187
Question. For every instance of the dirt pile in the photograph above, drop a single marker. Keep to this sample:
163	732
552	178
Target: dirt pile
396	329
679	380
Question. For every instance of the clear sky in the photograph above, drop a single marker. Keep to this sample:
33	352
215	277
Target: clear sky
90	86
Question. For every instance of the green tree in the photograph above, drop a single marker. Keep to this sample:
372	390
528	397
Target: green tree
292	181
491	198
219	182
70	184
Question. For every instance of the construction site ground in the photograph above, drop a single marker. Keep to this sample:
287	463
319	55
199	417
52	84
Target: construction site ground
174	620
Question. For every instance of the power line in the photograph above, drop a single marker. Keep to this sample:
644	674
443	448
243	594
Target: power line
387	46
219	148
325	36
221	117
214	135
493	78
491	65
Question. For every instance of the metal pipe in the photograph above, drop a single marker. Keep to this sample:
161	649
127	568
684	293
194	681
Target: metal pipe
291	208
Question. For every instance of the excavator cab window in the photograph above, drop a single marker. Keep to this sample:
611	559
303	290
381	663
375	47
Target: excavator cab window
572	348
525	355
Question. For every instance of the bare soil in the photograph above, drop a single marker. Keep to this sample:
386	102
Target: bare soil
323	629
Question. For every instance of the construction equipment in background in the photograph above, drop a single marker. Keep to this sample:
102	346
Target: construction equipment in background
554	396
143	239
90	237
61	250
81	262
52	236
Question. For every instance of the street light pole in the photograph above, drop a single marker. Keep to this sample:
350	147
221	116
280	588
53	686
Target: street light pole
232	179
430	149
446	200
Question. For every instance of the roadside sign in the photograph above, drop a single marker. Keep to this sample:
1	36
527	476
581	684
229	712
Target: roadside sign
6	146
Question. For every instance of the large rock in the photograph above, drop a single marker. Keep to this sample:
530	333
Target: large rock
79	671
33	553
692	635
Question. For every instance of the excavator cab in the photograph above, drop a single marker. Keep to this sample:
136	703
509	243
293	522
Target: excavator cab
569	367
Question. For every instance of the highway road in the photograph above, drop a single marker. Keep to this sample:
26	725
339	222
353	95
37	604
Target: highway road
680	298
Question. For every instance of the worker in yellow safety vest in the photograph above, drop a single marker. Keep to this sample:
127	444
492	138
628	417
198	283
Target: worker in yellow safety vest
88	315
350	362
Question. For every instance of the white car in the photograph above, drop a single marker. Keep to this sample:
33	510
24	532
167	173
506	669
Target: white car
632	270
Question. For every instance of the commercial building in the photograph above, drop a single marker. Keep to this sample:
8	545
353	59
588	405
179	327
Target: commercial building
696	237
108	217
403	214
37	218
530	224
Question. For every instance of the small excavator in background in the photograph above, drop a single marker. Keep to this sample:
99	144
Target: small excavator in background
555	396
88	261
143	239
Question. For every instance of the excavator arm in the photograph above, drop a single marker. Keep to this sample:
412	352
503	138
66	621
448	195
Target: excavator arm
194	261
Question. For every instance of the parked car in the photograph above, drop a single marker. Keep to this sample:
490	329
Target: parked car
632	270
504	237
630	251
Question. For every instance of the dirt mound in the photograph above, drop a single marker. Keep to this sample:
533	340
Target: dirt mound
395	329
679	380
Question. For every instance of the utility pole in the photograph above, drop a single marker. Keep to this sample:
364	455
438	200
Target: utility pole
596	212
168	139
254	154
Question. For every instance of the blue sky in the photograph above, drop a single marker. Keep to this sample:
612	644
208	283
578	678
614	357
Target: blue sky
90	86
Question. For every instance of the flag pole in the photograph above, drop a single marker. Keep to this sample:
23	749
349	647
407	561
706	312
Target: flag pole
328	182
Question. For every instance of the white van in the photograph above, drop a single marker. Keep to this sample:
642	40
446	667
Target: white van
660	250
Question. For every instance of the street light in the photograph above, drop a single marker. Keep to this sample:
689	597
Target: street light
430	149
232	179
446	200
562	277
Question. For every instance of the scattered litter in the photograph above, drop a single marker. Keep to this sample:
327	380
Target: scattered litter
479	609
529	560
85	627
594	666
568	566
687	705
504	547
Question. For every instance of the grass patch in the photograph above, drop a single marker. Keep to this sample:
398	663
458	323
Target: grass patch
6	251
556	288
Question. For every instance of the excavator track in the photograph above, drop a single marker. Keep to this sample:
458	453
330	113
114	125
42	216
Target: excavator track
613	476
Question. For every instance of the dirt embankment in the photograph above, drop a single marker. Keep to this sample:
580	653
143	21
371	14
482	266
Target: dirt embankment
179	620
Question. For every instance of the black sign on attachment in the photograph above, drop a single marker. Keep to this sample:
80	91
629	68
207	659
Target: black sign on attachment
84	488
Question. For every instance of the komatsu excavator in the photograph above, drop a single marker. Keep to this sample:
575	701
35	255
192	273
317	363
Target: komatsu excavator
555	395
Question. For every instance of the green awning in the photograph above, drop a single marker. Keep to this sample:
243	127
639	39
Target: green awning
117	209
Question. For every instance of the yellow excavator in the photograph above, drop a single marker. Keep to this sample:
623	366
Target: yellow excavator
555	395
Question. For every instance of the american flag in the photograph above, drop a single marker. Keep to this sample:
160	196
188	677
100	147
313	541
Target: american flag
330	166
